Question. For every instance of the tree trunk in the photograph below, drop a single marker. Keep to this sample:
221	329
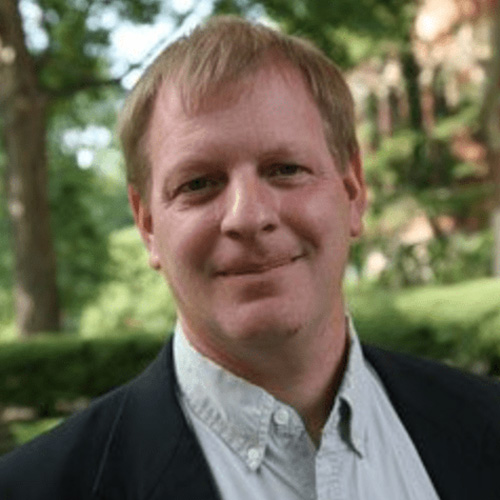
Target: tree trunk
384	119
23	108
491	130
428	108
411	73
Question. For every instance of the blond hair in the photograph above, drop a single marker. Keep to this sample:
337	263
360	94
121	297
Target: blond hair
224	50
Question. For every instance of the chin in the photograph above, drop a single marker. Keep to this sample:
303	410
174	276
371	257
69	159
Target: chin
276	323
260	327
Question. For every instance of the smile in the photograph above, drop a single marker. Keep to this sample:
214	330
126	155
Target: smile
257	268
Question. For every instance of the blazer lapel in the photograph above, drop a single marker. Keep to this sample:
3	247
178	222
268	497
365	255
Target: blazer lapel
152	454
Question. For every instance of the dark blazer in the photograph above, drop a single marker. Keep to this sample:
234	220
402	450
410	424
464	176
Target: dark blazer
134	443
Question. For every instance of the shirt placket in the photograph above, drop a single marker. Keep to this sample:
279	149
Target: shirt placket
330	463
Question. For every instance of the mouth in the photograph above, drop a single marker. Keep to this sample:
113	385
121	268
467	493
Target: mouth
248	268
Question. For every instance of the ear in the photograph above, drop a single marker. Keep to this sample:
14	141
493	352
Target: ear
354	182
144	222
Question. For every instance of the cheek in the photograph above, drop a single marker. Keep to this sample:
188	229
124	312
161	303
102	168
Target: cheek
184	244
321	218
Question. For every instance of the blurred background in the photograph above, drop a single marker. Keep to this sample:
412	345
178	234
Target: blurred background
81	312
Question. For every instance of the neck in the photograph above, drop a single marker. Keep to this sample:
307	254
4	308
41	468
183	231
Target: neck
304	372
310	381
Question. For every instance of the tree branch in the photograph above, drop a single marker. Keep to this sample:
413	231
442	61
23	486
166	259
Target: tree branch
82	85
105	82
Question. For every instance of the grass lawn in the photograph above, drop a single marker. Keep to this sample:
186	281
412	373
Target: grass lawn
26	431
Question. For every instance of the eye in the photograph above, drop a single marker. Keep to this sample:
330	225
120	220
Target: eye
196	185
285	170
200	186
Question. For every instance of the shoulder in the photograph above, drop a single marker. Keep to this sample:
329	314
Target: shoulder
66	457
69	461
433	387
421	369
453	419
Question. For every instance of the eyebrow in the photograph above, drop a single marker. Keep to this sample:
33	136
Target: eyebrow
207	159
284	151
185	167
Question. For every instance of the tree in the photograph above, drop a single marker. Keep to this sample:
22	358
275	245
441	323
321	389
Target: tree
490	129
329	24
24	110
33	79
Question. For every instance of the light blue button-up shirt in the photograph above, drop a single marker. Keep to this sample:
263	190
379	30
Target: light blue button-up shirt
258	447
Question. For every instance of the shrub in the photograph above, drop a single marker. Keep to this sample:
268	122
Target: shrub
458	324
46	372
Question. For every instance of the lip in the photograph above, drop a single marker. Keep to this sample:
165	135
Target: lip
249	267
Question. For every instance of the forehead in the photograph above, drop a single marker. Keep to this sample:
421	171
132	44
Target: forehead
276	86
270	116
198	95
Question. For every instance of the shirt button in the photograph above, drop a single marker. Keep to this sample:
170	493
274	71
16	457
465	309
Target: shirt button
281	417
254	456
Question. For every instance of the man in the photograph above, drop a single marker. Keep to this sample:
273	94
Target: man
246	185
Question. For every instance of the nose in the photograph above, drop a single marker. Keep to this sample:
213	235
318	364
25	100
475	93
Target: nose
250	207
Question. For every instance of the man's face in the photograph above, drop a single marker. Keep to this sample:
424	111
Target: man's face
250	220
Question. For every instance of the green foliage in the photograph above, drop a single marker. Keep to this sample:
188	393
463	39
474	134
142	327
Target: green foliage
102	183
78	39
386	168
26	431
461	257
415	174
86	204
7	329
408	161
463	119
446	260
359	45
333	26
80	243
6	260
459	324
134	298
48	372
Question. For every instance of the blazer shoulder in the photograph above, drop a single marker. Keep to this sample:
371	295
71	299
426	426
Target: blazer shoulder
128	443
453	419
66	459
437	386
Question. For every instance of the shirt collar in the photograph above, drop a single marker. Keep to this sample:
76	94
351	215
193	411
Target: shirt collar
236	410
241	413
349	412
